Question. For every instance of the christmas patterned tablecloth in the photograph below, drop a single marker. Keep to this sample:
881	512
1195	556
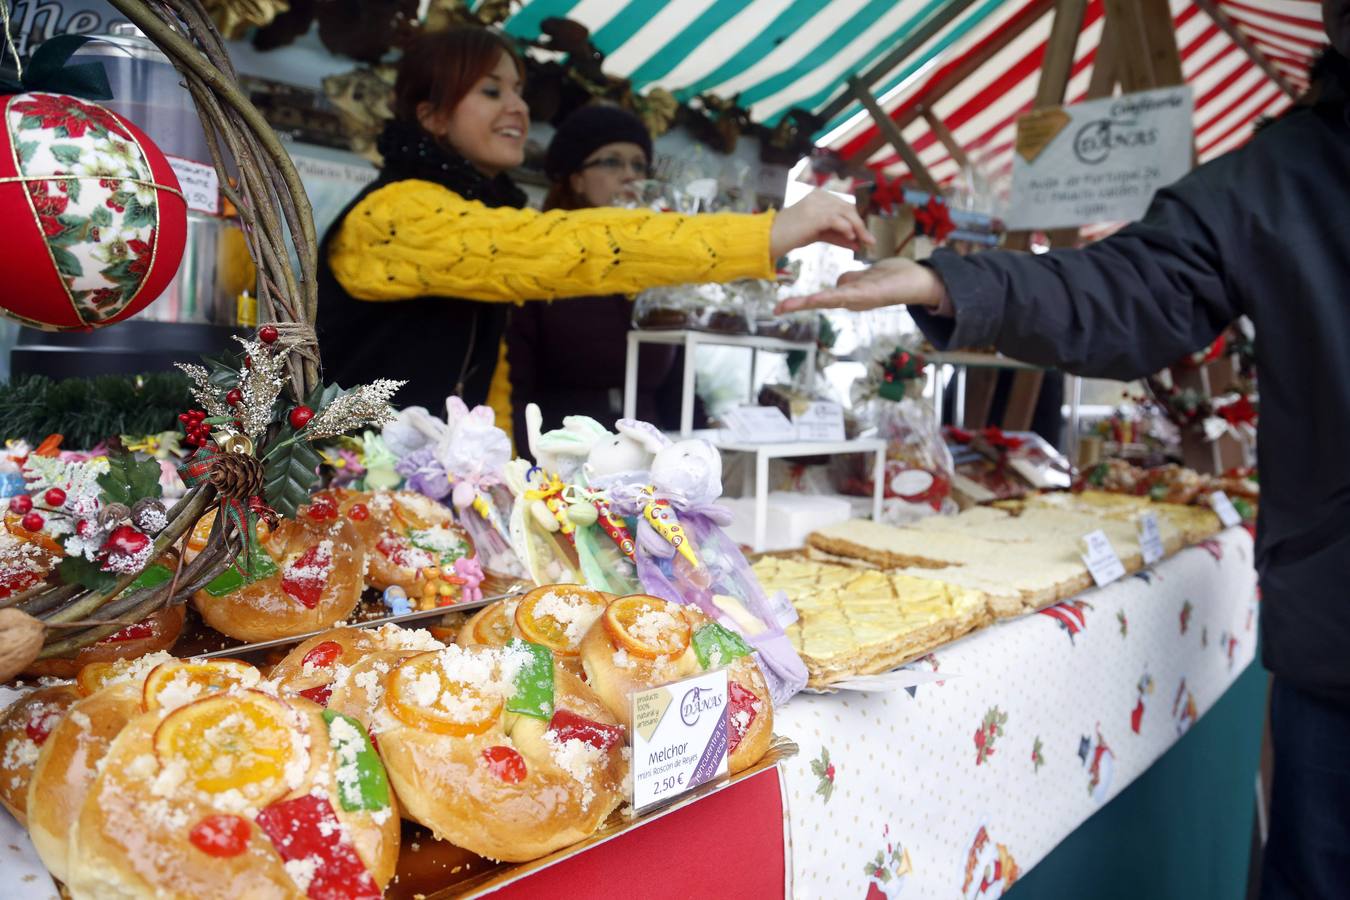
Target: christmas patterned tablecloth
955	788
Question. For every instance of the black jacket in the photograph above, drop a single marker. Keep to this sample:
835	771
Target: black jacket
439	345
1263	231
568	356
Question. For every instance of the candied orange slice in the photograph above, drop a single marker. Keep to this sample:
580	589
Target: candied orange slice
181	681
647	626
493	627
202	531
558	616
421	694
244	742
94	676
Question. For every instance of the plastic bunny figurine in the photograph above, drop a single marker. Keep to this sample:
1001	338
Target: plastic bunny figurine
684	556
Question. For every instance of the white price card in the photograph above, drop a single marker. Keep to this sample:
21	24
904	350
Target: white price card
760	425
1101	559
200	184
1150	538
820	421
1227	512
679	737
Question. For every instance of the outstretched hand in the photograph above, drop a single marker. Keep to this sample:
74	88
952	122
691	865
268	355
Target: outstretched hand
819	216
887	283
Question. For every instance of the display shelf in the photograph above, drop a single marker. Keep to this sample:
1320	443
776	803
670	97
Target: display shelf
691	341
791	449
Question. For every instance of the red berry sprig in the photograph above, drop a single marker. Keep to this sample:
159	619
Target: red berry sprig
194	424
55	497
268	334
300	417
234	397
32	522
21	504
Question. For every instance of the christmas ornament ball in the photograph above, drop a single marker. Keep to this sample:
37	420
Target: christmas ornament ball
94	219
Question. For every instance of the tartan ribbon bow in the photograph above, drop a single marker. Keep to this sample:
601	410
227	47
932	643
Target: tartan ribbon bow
242	513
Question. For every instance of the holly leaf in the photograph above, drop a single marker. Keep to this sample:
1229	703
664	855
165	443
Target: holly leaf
101	216
67	263
78	570
137	214
73	192
290	474
818	768
26	150
129	479
66	154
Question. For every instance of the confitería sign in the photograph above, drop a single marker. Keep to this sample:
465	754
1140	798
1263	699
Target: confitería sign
1099	161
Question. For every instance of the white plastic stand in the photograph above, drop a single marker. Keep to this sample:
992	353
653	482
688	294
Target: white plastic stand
691	341
765	452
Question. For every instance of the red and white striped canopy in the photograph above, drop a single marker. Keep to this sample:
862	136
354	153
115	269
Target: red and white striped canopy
979	101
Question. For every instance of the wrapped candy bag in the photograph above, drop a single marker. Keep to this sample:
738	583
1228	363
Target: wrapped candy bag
919	469
603	540
684	556
462	459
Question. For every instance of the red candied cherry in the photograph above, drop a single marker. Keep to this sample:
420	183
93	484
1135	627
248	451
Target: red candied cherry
21	504
221	835
234	397
322	655
506	763
268	334
55	498
32	522
322	508
300	417
359	512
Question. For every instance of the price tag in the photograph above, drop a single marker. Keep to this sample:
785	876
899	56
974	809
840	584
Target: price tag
1101	559
679	737
760	425
200	184
820	421
1228	513
1150	538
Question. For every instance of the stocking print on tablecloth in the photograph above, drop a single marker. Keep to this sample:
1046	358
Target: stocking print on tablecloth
1057	710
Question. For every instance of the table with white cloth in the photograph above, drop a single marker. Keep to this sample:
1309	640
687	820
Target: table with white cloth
956	787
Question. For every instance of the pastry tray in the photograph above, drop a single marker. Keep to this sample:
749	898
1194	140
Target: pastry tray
438	870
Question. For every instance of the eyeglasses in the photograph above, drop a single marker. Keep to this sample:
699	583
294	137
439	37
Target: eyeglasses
638	167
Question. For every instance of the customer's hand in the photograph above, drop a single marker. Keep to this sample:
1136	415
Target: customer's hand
889	282
819	216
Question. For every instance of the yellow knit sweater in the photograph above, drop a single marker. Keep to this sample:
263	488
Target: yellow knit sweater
416	238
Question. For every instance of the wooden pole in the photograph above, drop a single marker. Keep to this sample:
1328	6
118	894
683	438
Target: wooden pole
1240	38
945	135
888	128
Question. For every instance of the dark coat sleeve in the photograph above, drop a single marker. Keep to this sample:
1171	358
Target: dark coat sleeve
1121	308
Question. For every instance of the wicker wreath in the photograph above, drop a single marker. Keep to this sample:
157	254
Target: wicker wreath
259	178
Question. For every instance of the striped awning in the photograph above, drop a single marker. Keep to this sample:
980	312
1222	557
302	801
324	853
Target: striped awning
977	73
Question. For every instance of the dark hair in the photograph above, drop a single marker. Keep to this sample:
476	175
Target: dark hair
561	196
441	67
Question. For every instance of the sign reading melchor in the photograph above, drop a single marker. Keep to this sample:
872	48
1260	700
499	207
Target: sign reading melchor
1099	161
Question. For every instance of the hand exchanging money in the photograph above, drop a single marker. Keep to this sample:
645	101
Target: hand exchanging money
887	283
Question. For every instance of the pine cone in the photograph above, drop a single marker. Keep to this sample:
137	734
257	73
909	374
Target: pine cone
237	476
112	515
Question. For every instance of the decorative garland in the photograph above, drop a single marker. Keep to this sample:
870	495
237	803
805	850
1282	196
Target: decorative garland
90	411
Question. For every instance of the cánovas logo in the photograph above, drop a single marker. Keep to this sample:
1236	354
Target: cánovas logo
1094	141
695	701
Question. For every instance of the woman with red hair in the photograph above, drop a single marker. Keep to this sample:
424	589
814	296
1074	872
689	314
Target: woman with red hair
416	274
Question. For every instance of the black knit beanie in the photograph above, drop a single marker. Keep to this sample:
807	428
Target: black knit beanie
587	130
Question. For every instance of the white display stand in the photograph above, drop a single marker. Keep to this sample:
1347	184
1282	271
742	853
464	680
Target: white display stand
691	341
765	452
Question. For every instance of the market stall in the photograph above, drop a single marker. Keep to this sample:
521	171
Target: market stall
264	633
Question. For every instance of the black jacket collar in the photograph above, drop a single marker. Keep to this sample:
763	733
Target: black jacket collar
409	152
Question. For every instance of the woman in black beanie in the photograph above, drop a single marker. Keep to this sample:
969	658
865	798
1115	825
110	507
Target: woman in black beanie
597	152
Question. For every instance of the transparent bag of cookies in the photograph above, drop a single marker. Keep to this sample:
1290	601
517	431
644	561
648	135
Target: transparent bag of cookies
918	471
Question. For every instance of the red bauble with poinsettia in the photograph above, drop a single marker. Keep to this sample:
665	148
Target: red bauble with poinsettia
95	220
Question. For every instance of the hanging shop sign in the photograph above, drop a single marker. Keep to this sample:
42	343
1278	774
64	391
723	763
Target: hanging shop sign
1099	161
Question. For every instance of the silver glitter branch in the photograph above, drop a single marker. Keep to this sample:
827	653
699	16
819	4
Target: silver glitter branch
261	384
204	392
364	407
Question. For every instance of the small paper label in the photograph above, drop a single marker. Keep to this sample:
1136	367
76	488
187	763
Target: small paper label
200	184
820	421
1101	559
679	737
1038	128
1150	538
1227	512
760	425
